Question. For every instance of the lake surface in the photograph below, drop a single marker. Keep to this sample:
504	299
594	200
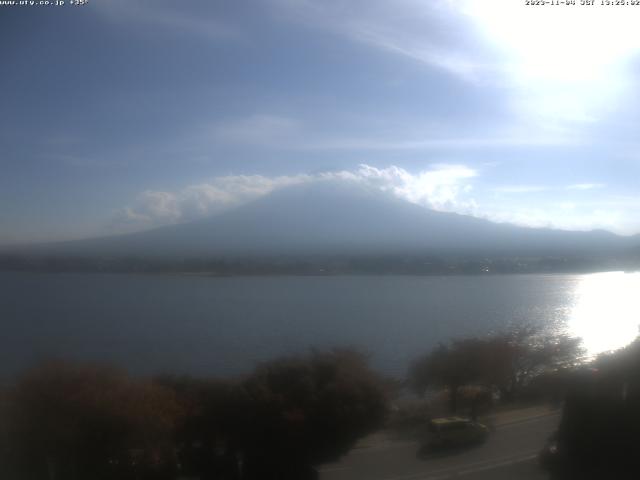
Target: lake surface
223	326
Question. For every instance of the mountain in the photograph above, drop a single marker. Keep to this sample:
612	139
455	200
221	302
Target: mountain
342	219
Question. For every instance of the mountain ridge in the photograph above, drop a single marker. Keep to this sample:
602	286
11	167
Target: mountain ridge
342	220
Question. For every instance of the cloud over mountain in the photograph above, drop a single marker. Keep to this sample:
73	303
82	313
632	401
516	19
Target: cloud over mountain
443	187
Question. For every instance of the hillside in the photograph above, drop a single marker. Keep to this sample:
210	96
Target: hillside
329	220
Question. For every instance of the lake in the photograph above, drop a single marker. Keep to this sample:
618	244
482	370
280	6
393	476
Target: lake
223	326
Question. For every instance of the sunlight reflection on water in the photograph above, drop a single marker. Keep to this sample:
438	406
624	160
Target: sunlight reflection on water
606	311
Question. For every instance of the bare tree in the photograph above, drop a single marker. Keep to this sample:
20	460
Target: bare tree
507	362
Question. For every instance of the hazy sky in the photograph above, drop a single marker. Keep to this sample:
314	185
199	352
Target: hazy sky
121	115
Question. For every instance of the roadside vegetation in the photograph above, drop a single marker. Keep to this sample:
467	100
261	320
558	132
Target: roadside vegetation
63	420
506	366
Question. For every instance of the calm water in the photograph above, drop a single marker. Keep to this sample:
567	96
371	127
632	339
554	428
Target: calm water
225	325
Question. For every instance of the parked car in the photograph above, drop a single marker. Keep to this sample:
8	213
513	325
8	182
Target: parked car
451	432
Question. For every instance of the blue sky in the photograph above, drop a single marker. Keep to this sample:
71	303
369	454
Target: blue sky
123	115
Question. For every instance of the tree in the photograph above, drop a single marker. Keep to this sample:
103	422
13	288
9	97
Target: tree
600	425
513	359
289	415
507	362
452	365
72	422
306	410
208	438
5	441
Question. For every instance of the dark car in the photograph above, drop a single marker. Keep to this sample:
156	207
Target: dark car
452	432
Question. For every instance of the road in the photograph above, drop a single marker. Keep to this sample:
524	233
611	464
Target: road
509	454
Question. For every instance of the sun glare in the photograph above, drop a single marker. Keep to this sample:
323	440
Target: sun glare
606	313
570	59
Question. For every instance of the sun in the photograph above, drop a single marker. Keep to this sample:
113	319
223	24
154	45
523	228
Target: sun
565	43
571	60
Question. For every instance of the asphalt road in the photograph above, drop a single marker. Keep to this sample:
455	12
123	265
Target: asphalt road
509	453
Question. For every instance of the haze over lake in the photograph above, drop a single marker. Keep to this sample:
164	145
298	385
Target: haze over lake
223	326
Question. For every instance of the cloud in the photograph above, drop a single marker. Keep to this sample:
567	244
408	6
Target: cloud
289	133
163	15
586	186
552	191
567	216
155	208
442	187
520	189
433	143
573	74
426	32
516	189
557	209
257	130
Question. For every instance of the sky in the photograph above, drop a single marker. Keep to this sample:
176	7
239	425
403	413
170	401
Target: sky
118	116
